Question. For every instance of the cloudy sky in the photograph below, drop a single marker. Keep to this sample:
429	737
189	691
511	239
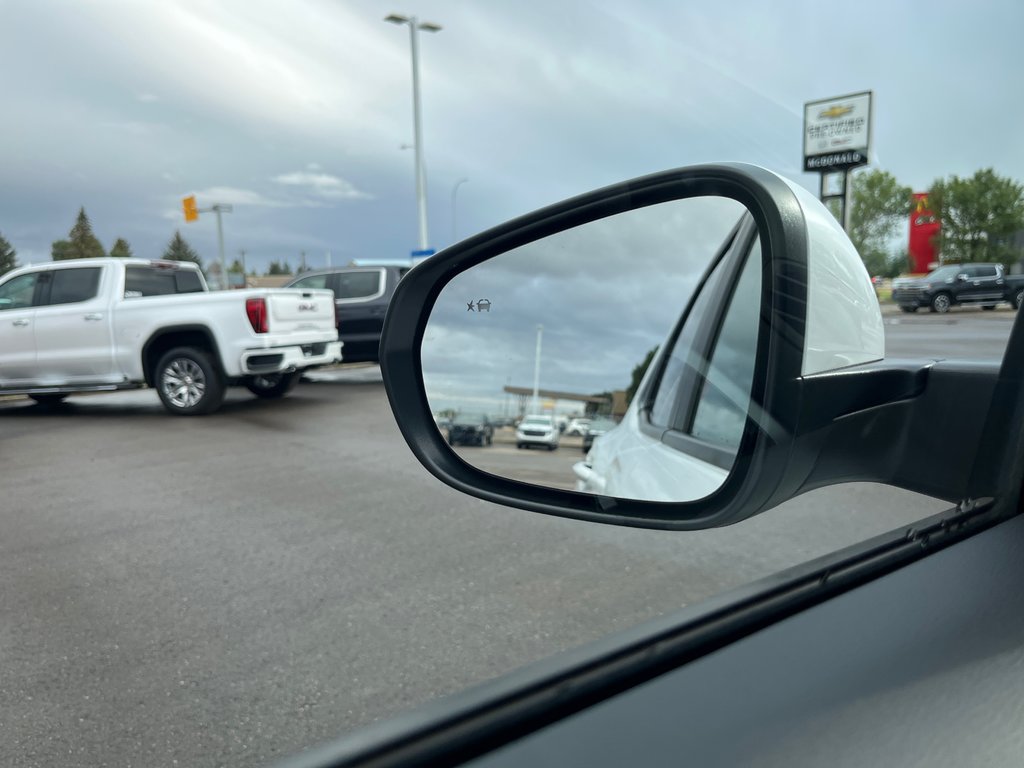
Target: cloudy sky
605	293
295	112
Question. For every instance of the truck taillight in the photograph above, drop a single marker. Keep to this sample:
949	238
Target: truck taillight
256	309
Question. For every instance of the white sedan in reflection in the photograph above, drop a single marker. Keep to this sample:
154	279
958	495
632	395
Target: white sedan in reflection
537	430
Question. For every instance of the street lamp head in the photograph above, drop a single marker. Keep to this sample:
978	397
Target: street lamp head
429	26
396	18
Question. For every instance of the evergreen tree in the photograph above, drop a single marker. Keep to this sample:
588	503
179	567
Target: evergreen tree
179	250
81	242
7	256
121	249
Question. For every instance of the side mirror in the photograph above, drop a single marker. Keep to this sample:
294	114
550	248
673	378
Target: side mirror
717	319
962	277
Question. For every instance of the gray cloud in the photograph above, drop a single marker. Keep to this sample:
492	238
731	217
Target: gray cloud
531	102
604	292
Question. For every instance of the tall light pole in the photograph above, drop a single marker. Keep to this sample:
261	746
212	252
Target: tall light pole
220	208
421	182
455	189
536	372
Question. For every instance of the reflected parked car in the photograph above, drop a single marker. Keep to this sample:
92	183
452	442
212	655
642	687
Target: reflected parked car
595	429
537	430
577	427
471	429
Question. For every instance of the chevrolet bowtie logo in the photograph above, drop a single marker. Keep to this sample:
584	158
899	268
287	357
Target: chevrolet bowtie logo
836	111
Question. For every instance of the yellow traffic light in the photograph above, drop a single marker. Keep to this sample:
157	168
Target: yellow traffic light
191	210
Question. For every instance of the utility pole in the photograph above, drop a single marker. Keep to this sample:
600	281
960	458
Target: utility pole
536	373
455	190
245	279
220	208
421	182
192	212
302	257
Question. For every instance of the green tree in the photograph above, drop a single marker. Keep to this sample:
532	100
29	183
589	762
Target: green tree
879	206
638	374
979	216
179	250
81	242
279	268
121	249
236	266
8	260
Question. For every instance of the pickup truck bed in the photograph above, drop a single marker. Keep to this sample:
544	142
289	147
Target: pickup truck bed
96	324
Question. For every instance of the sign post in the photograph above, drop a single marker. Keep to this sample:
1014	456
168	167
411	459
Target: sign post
837	139
192	211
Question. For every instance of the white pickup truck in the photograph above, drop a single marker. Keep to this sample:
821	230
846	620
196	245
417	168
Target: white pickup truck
96	325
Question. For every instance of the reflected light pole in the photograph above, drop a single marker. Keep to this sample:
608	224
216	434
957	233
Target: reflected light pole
536	372
455	190
421	183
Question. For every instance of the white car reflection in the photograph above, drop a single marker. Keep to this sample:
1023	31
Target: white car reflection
537	430
626	463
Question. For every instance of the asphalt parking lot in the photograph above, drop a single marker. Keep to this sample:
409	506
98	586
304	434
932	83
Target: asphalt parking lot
231	589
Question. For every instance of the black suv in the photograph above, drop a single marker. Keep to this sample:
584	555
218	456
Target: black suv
470	429
361	296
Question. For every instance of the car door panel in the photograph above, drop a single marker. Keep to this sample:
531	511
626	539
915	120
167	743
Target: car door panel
921	667
17	330
74	339
17	347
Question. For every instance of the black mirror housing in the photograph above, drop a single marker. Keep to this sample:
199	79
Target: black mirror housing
762	455
817	415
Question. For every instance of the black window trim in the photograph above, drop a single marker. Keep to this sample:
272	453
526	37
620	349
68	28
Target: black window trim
736	250
44	286
36	290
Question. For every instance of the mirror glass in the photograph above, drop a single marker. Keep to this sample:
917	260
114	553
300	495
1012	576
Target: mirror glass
533	360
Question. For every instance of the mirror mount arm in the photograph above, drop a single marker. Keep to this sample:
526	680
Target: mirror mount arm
914	425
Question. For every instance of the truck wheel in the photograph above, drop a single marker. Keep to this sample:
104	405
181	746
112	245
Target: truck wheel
189	382
908	310
941	303
1018	299
49	399
272	385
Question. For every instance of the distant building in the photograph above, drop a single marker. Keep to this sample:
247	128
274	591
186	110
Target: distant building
268	281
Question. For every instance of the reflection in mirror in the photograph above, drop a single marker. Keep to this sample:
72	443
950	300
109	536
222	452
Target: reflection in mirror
534	361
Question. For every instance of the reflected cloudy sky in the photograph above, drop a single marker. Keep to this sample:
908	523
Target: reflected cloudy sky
605	293
295	112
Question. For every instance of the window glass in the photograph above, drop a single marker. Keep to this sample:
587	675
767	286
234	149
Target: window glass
69	286
671	379
725	396
17	293
187	281
146	281
313	281
357	285
153	281
989	271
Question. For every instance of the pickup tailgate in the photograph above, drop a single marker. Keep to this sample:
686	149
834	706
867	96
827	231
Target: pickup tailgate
296	311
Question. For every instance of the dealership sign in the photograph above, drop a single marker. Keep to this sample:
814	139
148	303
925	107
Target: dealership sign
837	132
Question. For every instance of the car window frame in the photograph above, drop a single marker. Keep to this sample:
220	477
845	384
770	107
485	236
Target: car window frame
36	288
45	285
328	280
734	253
382	282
